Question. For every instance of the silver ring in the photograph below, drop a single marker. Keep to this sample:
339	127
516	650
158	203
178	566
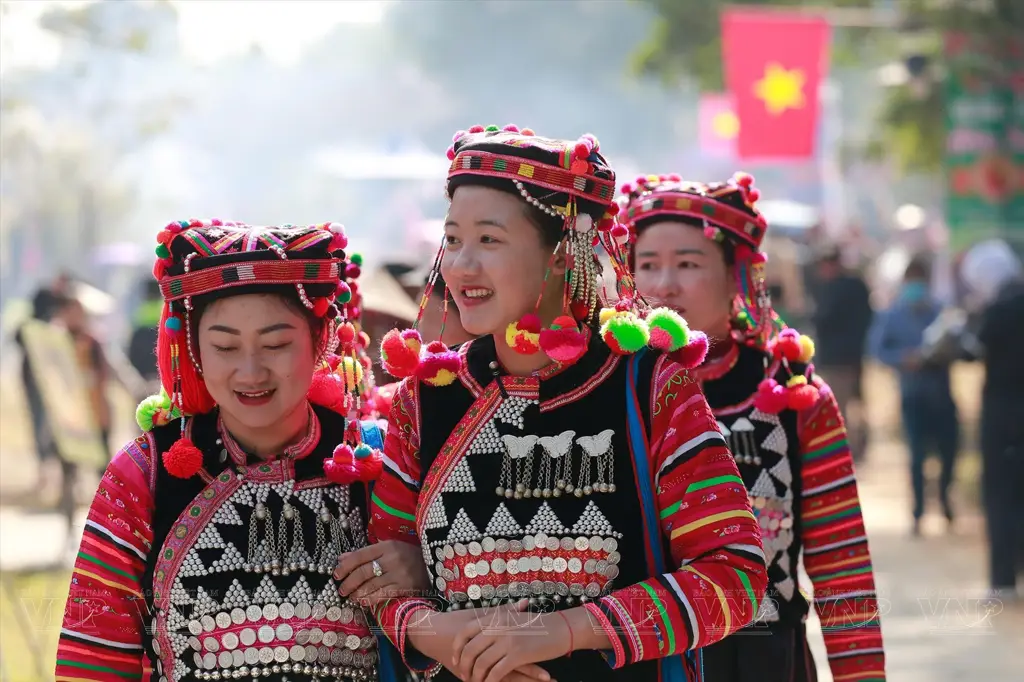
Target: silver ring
377	570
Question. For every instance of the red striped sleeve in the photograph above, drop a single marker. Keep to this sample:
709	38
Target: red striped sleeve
835	546
393	514
715	543
105	615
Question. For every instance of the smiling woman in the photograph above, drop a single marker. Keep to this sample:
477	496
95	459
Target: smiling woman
560	463
212	542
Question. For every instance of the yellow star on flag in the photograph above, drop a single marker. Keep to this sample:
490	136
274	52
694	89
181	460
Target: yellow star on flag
726	125
780	89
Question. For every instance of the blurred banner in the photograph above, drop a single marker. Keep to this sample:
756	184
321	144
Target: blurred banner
775	63
984	137
54	363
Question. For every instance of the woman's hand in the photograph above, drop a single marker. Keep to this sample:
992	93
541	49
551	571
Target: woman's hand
432	635
505	640
381	571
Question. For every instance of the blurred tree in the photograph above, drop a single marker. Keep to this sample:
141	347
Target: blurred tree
686	44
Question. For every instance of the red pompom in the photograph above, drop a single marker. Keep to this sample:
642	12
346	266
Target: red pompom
527	131
164	237
529	323
341	467
613	209
802	397
579	310
352	271
753	195
694	352
619	231
363	340
333	361
346	334
675	177
400	352
564	345
450	153
580	167
770	398
328	390
476	129
624	305
320	306
511	128
787	345
581	150
627	188
183	459
744	179
439	365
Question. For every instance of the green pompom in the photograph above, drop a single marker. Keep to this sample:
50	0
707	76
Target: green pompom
492	129
357	258
153	406
162	251
625	334
669	330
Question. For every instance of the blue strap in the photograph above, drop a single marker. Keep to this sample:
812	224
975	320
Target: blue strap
389	658
672	668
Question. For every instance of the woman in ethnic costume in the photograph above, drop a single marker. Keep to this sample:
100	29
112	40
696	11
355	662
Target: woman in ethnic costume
695	247
560	463
209	548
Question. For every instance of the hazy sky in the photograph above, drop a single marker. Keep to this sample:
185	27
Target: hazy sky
282	28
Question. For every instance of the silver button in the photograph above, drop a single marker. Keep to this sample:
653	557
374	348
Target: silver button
270	611
247	636
286	610
281	654
285	632
230	640
266	634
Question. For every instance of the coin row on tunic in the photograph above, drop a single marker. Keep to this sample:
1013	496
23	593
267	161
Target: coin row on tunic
302	612
323	655
316	672
283	633
527	564
528	543
519	590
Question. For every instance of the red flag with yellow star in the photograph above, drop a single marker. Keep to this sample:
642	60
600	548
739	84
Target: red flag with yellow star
774	65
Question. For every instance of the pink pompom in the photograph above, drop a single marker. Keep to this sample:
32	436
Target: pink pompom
352	271
744	179
530	323
619	231
581	150
450	153
770	398
624	304
613	209
594	144
476	129
459	134
694	352
710	232
216	222
183	459
753	195
511	128
640	181
627	188
675	177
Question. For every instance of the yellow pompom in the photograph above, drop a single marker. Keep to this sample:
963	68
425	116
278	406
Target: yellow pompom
351	372
806	348
798	380
608	313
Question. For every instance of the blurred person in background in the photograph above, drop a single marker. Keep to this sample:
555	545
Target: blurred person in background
789	444
842	318
92	361
994	277
46	303
145	324
930	421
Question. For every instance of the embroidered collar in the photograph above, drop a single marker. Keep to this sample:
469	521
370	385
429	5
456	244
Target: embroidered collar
717	366
298	450
480	366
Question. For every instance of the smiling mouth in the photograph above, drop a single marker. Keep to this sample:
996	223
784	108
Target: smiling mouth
476	294
255	397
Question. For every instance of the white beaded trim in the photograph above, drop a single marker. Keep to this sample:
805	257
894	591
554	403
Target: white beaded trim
536	202
298	287
188	320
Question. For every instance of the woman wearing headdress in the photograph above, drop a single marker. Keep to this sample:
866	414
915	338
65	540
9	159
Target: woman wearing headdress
564	477
696	248
209	549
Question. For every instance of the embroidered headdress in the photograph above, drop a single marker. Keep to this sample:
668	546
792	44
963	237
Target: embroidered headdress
571	182
727	213
201	261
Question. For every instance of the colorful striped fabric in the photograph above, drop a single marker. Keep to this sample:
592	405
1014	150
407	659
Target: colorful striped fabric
713	538
835	546
105	615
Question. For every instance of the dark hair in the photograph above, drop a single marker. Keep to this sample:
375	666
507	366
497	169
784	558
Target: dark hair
919	268
728	252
